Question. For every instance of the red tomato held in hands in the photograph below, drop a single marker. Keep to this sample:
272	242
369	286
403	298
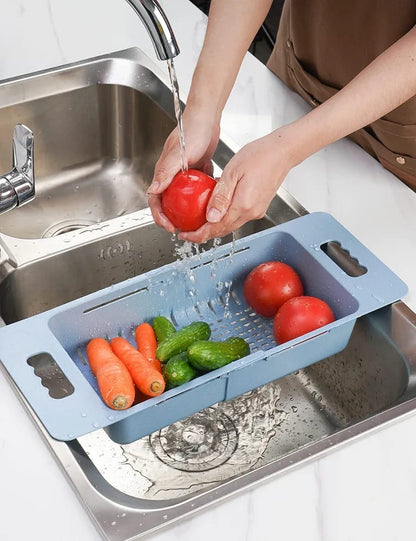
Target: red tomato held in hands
300	315
269	285
186	198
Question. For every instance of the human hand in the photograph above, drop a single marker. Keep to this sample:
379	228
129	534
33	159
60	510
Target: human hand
201	139
248	184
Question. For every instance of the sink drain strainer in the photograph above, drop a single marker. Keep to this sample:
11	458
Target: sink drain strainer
199	443
66	227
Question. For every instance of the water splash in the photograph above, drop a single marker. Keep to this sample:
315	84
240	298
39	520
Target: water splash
184	252
217	270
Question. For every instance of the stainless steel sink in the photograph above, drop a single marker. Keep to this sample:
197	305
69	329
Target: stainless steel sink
99	126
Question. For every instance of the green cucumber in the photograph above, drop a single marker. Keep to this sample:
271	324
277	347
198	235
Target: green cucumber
178	370
163	328
182	339
209	355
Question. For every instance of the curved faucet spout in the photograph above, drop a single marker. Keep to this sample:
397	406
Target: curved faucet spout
157	24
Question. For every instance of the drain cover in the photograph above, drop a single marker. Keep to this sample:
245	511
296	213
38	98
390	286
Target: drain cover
199	443
66	227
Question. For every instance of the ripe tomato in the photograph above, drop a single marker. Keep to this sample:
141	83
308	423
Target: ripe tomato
269	285
185	199
300	315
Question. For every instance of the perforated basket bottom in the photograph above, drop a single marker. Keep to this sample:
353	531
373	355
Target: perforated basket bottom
227	315
235	318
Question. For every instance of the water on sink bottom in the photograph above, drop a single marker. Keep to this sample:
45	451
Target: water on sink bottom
214	445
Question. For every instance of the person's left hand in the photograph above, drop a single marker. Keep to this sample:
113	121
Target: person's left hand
247	185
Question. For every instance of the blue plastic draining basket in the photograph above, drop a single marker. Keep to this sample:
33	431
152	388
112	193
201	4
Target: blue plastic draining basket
62	333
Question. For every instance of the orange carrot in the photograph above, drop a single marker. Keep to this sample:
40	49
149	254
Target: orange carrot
147	344
147	378
115	383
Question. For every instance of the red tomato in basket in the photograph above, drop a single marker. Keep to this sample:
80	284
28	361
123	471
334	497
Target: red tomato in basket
186	198
269	285
300	315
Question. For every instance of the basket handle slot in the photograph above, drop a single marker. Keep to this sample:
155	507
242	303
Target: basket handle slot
51	376
115	299
343	258
227	255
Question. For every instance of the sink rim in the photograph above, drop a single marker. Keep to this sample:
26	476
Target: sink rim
100	74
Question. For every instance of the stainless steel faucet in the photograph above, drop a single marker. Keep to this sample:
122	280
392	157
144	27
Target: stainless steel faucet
18	186
157	24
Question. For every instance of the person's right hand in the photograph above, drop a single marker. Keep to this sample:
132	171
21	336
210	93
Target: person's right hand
201	138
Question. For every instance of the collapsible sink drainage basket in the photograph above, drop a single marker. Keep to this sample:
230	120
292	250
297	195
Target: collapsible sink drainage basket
187	292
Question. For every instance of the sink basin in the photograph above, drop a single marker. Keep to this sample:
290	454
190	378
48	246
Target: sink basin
96	147
99	126
247	435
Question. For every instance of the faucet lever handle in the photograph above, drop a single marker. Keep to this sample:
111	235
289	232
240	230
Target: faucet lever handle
22	177
18	186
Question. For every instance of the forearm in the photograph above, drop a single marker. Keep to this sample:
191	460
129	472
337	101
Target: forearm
232	25
383	85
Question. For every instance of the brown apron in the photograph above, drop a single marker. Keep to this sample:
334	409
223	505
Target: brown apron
322	44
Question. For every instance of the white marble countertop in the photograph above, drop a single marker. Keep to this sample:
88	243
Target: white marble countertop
364	490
